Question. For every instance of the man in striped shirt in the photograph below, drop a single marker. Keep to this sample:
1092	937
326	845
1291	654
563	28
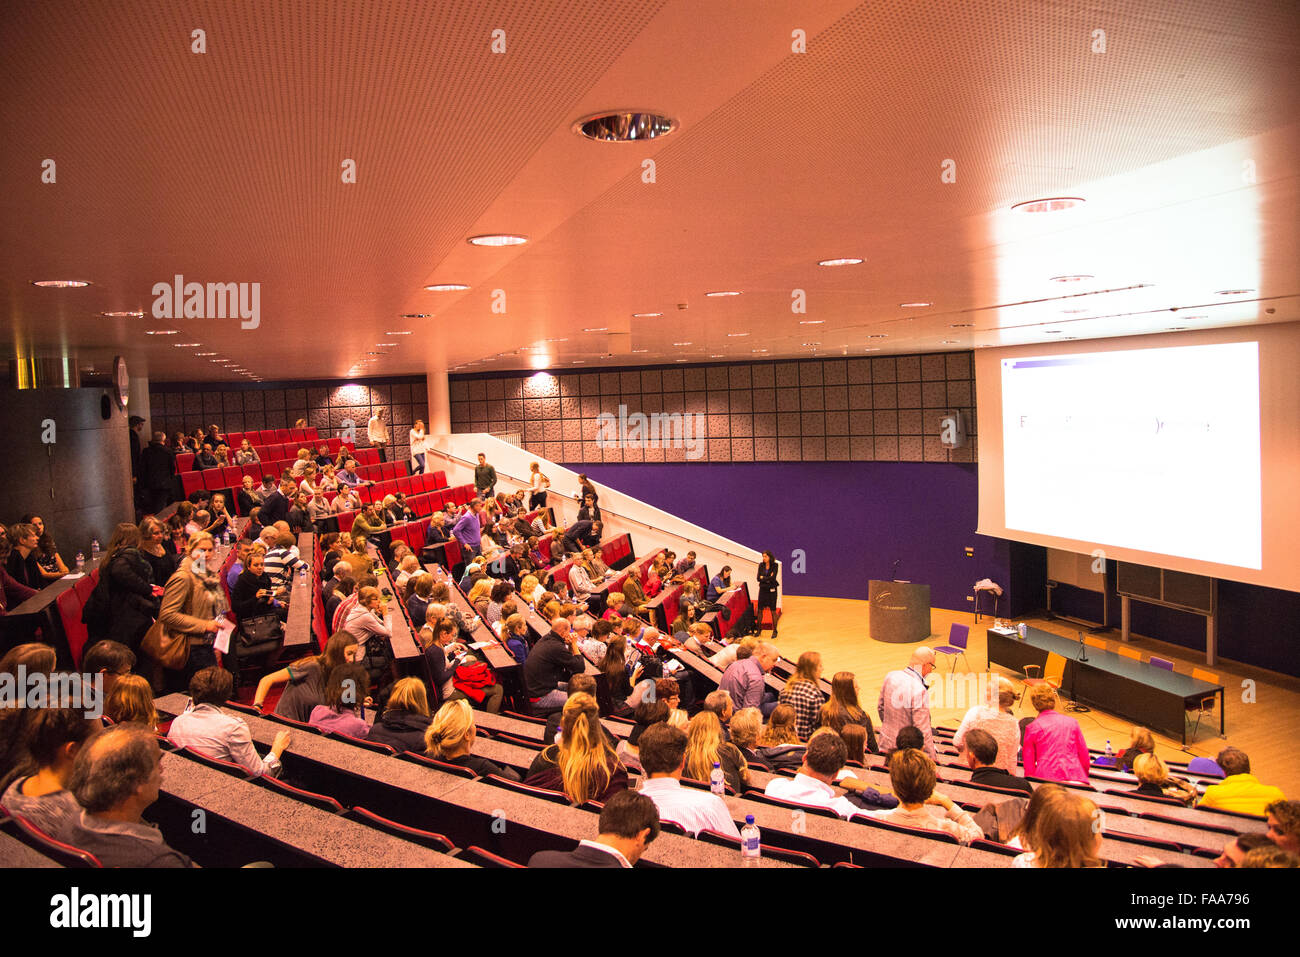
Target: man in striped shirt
282	560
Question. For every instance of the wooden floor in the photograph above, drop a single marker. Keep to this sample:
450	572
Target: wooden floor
1266	729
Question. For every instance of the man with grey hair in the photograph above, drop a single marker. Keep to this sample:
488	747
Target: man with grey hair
549	666
905	700
116	776
745	679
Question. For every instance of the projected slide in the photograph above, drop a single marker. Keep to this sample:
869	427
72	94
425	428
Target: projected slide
1152	449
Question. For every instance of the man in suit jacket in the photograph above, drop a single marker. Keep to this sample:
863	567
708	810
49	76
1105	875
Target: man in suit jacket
276	506
628	823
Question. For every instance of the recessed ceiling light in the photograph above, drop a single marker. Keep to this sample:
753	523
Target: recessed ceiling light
878	335
1078	277
557	339
646	315
597	329
811	322
715	295
949	342
187	345
385	343
914	305
1232	292
497	239
683	343
205	353
1052	204
1073	312
1194	318
717	355
871	349
578	362
736	335
812	343
640	350
60	283
161	332
219	361
372	353
839	262
680	360
446	287
1176	328
407	333
961	325
624	126
757	350
1051	332
127	314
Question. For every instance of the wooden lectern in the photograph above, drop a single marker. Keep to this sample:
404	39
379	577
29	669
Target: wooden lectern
900	612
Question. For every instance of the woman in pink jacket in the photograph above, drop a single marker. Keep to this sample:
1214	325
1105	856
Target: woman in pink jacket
1054	747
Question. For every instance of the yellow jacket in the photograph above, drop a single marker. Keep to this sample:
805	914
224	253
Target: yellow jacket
1242	793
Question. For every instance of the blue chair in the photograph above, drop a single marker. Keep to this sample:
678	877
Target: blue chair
1206	766
1162	663
958	635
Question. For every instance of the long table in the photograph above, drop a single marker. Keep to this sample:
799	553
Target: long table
1136	690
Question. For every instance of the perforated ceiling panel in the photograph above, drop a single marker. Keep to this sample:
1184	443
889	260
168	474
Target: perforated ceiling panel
1176	122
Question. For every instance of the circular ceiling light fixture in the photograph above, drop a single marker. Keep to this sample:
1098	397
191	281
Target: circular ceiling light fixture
60	283
914	305
446	287
646	315
624	126
1052	204
721	293
497	239
125	314
851	261
161	332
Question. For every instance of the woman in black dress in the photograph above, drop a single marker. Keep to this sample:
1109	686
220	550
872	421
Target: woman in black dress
767	590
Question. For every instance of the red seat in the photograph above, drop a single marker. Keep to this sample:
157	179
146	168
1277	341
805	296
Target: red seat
389	470
65	854
185	462
191	482
69	605
333	445
233	439
233	476
345	521
252	468
440	479
282	435
298	435
311	435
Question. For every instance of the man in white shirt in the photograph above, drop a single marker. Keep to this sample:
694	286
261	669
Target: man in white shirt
204	727
377	432
815	782
905	700
663	757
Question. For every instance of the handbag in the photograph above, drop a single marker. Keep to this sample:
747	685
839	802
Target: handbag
170	651
254	631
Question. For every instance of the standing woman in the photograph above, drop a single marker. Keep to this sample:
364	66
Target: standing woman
189	608
418	448
539	483
132	601
767	590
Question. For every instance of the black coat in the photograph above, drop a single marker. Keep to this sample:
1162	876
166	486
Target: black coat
274	509
131	602
157	466
402	730
243	597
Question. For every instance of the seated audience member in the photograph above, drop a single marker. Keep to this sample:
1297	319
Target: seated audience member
247	455
54	737
583	764
365	620
550	664
344	590
206	459
405	718
514	635
1063	832
646	714
1141	741
1156	781
420	597
705	746
719	585
803	692
111	659
346	694
733	652
663	757
1284	825
778	743
912	777
719	702
1239	790
907	737
578	684
1238	847
248	497
442	652
981	750
842	708
855	742
346	501
814	784
745	681
115	777
254	594
997	721
628	823
1270	856
131	700
204	727
450	738
307	676
1053	747
745	726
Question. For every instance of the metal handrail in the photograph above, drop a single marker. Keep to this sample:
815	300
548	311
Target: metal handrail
528	485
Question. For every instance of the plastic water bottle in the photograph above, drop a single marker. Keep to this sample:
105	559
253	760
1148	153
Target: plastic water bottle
750	843
81	563
94	551
226	536
717	780
1023	629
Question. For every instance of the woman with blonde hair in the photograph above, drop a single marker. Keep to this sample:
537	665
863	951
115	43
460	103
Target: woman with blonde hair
132	700
1156	781
480	596
418	447
803	692
1140	741
405	720
450	738
1065	831
706	747
538	484
778	743
583	764
746	725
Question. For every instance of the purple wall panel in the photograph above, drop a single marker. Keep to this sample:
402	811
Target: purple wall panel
852	519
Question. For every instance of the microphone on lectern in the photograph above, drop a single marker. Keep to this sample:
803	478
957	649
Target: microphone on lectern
894	573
